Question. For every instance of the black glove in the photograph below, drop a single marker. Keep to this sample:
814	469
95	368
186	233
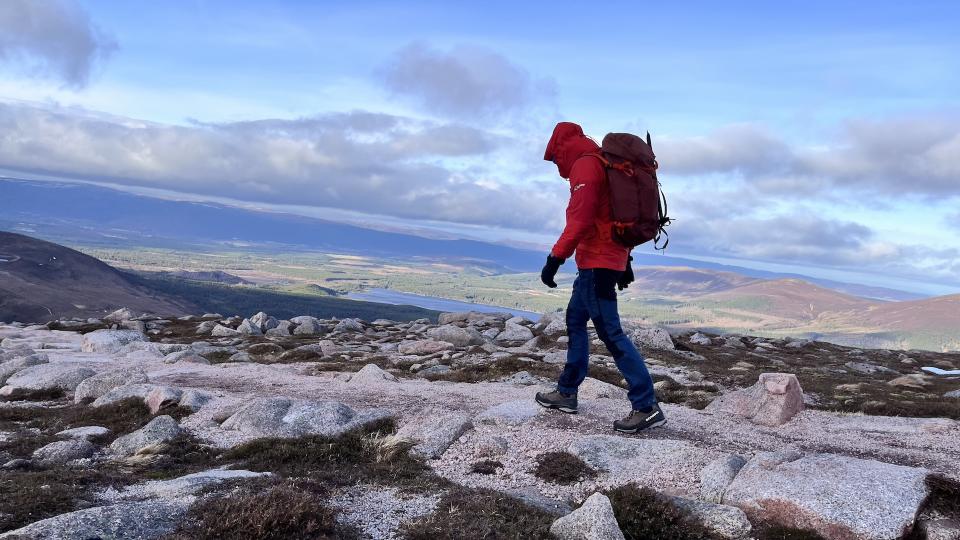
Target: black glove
627	277
550	270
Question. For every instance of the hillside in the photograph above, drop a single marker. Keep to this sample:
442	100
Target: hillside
938	313
788	298
42	281
686	281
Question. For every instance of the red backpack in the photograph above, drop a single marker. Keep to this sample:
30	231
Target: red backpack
638	208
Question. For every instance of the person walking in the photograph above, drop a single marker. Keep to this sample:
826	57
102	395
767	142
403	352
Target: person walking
603	265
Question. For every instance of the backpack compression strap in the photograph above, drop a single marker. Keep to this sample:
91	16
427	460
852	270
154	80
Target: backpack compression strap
624	166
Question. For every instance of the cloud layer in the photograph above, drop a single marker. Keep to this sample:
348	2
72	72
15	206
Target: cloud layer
360	161
916	156
51	38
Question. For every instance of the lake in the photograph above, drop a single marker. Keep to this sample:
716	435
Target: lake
386	296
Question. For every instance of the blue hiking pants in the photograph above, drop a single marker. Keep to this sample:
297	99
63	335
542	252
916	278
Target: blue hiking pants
595	298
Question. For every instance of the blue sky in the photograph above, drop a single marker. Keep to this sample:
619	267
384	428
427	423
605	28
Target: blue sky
822	136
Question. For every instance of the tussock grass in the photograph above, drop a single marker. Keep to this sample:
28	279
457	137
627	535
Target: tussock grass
562	468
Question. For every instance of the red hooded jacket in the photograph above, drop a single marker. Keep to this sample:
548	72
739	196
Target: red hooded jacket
588	229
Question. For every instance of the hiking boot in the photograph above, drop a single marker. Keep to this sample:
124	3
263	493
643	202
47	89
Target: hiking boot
640	420
558	400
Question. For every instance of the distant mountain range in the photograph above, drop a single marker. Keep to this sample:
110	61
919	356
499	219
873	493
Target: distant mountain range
83	214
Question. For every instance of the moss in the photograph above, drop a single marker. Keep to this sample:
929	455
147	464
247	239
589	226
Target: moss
562	468
265	510
643	513
480	513
486	466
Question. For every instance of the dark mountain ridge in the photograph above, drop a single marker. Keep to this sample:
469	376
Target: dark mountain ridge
42	281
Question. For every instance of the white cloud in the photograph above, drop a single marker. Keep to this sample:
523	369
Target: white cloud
907	156
51	38
359	161
465	82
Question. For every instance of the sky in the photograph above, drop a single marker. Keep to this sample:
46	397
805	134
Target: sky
822	137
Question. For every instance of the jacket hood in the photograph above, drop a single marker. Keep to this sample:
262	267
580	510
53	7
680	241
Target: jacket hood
567	144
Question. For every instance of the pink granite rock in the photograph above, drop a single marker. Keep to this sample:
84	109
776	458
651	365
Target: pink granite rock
773	401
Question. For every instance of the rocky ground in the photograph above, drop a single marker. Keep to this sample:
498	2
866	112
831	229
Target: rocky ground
213	427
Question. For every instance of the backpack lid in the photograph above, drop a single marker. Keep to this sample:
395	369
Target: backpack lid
629	147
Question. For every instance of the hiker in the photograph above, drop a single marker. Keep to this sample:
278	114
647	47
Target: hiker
603	265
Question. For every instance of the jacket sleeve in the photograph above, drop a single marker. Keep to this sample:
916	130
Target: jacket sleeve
585	185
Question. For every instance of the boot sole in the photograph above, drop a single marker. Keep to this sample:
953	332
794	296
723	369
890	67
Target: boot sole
637	430
567	410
